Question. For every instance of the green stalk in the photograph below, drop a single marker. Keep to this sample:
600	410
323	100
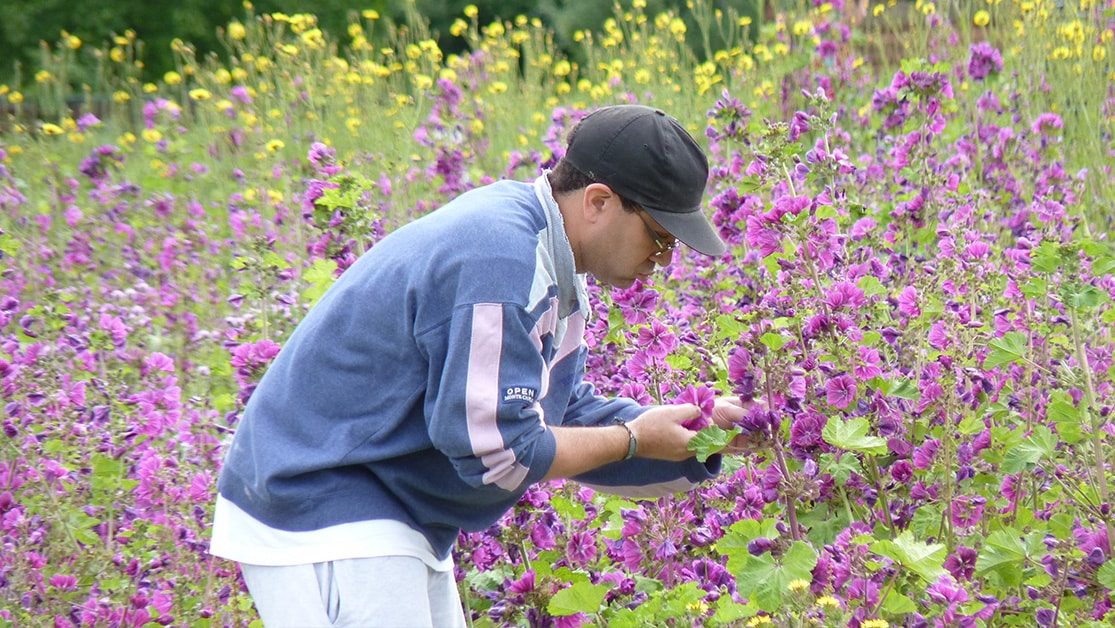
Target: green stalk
1089	402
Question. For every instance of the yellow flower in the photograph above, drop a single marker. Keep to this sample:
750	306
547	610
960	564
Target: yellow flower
236	30
476	126
760	620
875	623
275	145
121	96
827	601
798	585
152	135
200	94
73	42
878	10
117	54
471	11
982	18
562	68
1099	53
677	27
15	98
52	129
497	87
352	124
150	88
448	74
422	81
458	28
745	20
172	78
43	76
642	76
370	14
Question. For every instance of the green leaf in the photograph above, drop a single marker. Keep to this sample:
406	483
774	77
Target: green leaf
871	286
924	559
582	597
730	612
727	328
841	468
567	508
900	387
1106	574
971	425
679	361
773	341
711	440
1085	298
898	604
1029	452
1006	350
852	435
1067	417
319	277
734	542
766	580
1003	554
1046	258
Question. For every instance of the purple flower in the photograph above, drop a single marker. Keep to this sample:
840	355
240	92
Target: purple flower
844	294
840	391
657	340
984	59
908	302
923	456
961	563
938	336
704	398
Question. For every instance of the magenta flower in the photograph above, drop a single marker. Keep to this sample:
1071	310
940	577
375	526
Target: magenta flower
63	582
908	302
702	397
938	336
657	340
844	294
841	391
983	61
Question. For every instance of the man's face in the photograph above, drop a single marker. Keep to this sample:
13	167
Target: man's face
629	247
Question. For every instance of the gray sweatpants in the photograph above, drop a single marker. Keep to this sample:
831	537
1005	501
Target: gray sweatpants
387	591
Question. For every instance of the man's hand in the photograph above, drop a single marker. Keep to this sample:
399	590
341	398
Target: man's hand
661	435
725	414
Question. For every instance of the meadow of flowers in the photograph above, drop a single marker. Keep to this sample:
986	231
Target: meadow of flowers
916	305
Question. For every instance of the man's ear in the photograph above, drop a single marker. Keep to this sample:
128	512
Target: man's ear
595	200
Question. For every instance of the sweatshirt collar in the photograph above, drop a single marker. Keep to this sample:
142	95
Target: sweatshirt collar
572	291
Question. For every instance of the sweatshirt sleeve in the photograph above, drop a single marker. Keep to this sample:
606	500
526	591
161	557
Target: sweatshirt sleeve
482	407
632	478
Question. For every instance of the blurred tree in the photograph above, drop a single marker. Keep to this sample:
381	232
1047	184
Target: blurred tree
25	23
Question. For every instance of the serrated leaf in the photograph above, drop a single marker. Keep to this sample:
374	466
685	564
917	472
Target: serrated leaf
567	508
1006	350
711	440
1046	258
924	559
1067	417
852	435
319	276
1003	554
729	612
871	286
773	341
1106	574
679	362
582	597
766	580
1029	452
898	604
842	468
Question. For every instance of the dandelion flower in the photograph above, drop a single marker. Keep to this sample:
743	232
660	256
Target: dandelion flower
471	11
982	18
172	78
370	14
43	76
15	98
152	135
827	601
875	623
200	93
236	30
798	585
52	129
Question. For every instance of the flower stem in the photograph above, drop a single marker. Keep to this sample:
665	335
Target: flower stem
1089	403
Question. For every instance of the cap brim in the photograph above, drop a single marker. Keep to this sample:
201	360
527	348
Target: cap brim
692	229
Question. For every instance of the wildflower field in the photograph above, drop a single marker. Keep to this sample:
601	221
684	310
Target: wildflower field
916	304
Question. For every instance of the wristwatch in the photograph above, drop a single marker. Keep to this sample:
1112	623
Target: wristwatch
632	444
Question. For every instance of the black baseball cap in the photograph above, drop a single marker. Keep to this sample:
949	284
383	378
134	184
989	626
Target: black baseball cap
647	157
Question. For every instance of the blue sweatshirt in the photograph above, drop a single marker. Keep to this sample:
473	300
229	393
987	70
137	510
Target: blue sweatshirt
420	387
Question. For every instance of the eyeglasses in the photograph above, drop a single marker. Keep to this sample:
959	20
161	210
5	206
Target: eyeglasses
663	243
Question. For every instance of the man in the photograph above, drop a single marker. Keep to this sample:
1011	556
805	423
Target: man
442	375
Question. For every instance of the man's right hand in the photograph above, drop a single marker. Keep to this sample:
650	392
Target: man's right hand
660	434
